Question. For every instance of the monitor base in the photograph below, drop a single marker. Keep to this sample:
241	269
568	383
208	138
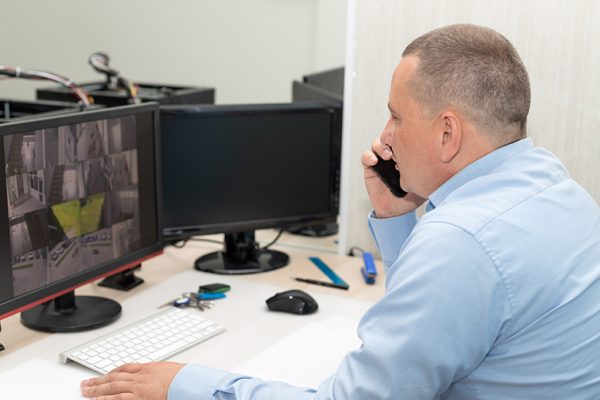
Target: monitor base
220	263
70	313
318	230
124	280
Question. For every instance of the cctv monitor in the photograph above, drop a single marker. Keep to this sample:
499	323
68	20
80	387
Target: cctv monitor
81	202
233	169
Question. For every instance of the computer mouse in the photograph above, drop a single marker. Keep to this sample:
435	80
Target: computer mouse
293	302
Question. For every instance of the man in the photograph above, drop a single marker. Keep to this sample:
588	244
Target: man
494	293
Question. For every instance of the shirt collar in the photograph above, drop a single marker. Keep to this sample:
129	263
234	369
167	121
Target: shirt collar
478	168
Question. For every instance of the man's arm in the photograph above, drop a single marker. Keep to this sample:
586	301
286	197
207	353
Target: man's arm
444	308
390	234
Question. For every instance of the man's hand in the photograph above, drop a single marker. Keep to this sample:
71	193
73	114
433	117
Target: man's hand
384	202
133	382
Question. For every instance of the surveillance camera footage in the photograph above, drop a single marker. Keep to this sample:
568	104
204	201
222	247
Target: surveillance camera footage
73	199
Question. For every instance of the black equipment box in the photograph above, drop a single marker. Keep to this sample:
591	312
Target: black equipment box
162	94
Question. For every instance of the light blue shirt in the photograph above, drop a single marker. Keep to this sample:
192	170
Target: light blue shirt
493	294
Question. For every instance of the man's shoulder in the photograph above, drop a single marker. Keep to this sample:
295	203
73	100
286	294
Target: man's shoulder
511	190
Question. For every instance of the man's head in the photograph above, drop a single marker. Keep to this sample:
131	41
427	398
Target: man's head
477	71
458	93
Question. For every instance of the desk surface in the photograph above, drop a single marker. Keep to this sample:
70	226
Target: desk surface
250	327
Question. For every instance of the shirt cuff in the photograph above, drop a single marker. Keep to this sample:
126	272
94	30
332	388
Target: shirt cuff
194	382
391	233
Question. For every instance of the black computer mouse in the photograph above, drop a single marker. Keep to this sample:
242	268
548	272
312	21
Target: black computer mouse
292	301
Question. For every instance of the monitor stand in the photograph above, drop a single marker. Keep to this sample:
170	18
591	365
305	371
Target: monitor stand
317	230
124	280
70	313
242	255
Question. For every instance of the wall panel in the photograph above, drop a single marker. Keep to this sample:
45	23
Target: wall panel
558	41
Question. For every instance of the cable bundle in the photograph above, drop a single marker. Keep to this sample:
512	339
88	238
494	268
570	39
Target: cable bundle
100	62
20	73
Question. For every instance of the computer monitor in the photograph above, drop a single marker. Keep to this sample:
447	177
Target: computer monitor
81	202
320	86
331	80
236	168
302	91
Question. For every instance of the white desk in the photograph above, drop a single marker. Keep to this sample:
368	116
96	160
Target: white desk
251	330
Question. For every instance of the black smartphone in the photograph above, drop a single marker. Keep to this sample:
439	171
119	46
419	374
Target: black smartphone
386	169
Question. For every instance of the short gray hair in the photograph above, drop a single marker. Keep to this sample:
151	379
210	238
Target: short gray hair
476	70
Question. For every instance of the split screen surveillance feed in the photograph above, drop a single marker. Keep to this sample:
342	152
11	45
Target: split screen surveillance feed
73	199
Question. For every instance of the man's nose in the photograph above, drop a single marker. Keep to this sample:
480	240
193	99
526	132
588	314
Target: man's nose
386	134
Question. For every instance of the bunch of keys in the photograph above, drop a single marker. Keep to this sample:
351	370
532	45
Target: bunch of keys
190	299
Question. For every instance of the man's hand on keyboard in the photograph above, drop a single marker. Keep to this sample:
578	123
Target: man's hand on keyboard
133	382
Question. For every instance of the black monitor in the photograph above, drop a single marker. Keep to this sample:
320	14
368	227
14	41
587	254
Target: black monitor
331	80
302	91
81	202
321	86
236	168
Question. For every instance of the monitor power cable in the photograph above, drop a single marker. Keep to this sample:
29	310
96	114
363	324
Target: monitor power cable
180	242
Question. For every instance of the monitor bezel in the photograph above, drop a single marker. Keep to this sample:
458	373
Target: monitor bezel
330	107
41	295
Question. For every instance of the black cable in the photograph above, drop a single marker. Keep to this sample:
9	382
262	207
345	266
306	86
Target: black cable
100	62
274	240
180	241
352	249
179	244
207	240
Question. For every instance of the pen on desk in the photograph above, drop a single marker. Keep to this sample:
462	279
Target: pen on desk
322	283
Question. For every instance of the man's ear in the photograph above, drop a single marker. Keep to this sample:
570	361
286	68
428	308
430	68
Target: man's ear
451	136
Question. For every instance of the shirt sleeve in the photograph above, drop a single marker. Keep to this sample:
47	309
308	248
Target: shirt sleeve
444	307
390	234
197	382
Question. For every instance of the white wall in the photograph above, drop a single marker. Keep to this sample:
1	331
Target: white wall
249	50
558	41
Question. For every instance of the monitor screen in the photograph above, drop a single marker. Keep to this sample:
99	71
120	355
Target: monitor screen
81	202
237	168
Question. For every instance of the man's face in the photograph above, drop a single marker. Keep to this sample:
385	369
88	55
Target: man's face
409	133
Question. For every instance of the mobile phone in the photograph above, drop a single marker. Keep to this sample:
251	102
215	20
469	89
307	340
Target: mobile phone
386	169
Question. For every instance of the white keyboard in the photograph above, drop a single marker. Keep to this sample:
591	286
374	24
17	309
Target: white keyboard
151	339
